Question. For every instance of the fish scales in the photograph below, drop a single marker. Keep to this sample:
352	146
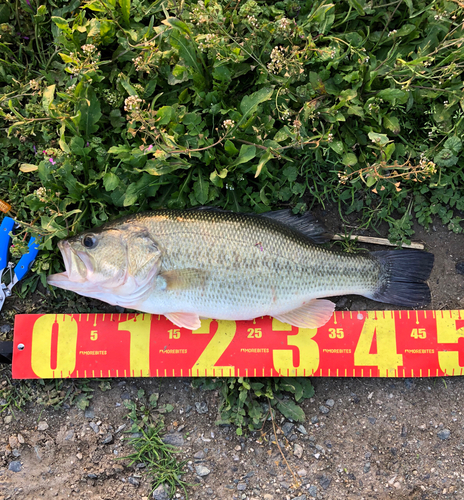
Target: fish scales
233	266
253	266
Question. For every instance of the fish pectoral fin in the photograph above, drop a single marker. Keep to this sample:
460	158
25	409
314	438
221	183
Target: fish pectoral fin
182	279
314	314
191	321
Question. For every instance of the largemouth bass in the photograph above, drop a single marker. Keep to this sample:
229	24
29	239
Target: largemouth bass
222	265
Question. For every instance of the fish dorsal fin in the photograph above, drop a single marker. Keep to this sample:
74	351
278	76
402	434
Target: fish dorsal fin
182	279
313	314
191	321
306	224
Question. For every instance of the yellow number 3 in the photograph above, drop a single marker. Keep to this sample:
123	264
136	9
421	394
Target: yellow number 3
309	352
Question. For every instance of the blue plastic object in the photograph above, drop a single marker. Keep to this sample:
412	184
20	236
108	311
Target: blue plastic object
5	228
27	259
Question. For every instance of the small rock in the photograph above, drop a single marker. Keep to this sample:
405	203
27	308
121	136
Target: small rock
161	493
79	456
173	439
302	430
5	328
108	439
459	268
91	475
42	426
312	490
287	428
372	420
267	496
8	419
20	439
133	481
404	431
241	486
297	450
15	466
330	402
302	473
13	442
94	427
324	481
89	414
317	456
323	409
201	407
367	467
201	470
69	435
315	419
444	434
301	497
199	455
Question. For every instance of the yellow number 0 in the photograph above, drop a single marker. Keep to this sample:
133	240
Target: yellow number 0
41	355
309	351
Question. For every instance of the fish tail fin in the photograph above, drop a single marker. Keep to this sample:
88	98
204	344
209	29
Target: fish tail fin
403	277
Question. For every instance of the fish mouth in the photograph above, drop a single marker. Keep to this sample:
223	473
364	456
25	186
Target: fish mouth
75	269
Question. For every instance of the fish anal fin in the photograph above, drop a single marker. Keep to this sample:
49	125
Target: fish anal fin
191	321
313	314
182	279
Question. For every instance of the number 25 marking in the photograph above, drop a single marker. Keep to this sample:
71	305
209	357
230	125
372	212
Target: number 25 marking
254	333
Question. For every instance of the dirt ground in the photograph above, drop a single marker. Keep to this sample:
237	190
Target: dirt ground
362	438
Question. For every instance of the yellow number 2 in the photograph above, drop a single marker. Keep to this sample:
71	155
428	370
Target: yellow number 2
215	349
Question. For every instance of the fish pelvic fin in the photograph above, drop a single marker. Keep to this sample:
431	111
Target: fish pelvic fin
182	279
191	321
403	275
313	314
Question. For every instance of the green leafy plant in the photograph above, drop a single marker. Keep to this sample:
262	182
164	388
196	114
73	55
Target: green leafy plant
145	410
247	403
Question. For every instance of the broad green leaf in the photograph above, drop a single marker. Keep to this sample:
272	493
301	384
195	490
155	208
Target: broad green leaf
349	159
380	139
370	181
125	10
250	103
391	95
89	106
263	160
358	5
62	141
247	153
392	123
61	23
176	23
389	150
336	146
263	197
230	149
77	146
48	96
454	144
4	13
128	87
164	115
201	190
290	409
187	51
110	181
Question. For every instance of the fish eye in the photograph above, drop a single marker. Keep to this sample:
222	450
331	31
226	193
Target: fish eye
90	241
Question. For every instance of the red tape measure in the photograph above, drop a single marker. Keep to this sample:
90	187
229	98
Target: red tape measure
351	344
